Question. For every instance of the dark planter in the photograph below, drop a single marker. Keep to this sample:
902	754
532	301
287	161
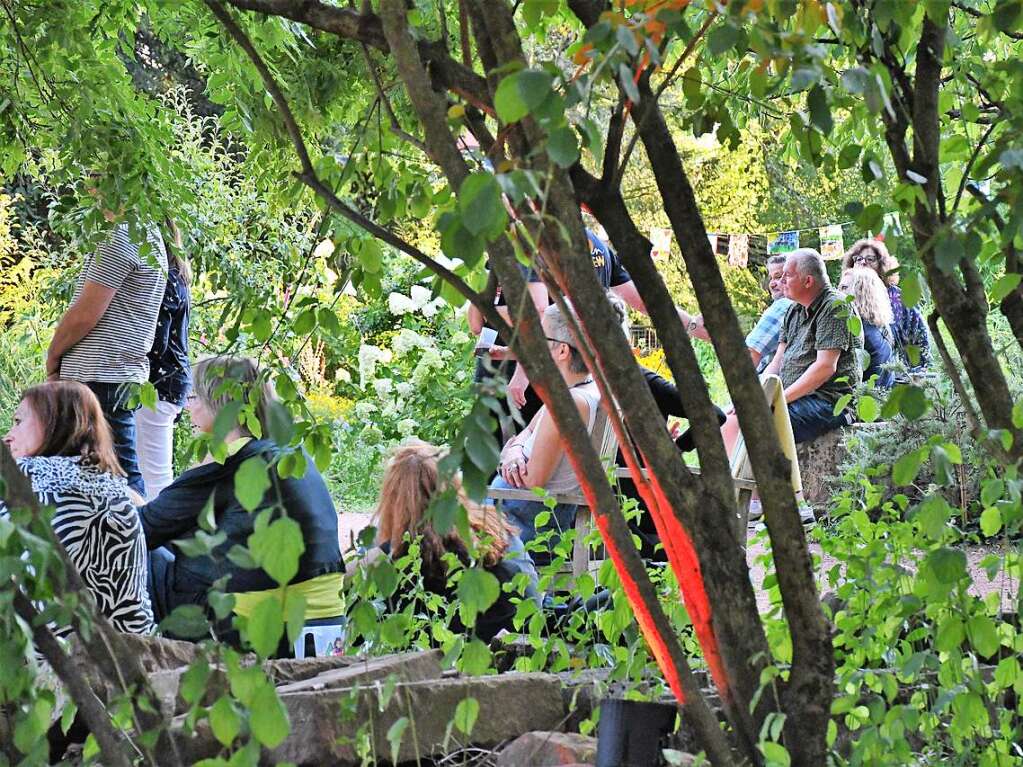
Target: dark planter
631	733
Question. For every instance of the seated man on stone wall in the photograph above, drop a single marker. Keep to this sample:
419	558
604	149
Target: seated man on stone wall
817	353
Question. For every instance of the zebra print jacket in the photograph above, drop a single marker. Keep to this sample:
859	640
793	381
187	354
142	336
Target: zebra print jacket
99	528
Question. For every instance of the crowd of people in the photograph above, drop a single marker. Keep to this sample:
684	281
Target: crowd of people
105	464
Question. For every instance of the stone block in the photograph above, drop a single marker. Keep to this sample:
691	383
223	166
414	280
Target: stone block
548	749
158	653
509	705
407	667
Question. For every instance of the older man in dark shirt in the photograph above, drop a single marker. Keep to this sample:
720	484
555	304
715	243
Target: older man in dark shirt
817	353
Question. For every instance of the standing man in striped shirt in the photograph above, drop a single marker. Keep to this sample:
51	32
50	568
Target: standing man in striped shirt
105	336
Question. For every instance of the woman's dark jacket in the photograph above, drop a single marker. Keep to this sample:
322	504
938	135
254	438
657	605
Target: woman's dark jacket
174	515
878	345
169	369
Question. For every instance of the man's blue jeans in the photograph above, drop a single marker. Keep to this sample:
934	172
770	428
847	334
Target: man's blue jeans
112	399
812	416
522	514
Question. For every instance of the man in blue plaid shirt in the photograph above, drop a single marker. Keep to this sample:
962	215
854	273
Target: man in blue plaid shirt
762	341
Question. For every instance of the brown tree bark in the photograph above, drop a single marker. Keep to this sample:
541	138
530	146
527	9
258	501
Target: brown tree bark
102	645
958	295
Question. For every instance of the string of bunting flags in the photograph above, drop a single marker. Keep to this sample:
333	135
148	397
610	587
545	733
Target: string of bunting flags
741	248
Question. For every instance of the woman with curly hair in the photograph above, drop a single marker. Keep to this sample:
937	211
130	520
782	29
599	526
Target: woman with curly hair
872	304
907	324
410	483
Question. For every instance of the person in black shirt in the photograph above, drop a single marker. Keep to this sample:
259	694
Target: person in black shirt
169	371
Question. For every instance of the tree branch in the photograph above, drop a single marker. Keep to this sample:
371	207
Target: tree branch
351	25
115	747
308	175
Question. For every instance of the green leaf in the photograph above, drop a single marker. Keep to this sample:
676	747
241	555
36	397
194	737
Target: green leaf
948	251
251	482
477	591
520	93
1003	286
187	622
1017	415
277	548
991	521
867	409
912	291
913	402
932	517
224	721
948	565
384	576
906	468
848	156
562	147
479	201
1007	672
371	257
268	718
465	714
951	633
820	109
306	321
394	736
775	754
260	326
476	658
265	627
628	82
722	37
983	635
148	395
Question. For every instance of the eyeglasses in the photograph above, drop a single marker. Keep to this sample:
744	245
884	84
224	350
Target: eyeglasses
559	341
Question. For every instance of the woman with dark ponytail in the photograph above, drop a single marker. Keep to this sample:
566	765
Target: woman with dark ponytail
169	370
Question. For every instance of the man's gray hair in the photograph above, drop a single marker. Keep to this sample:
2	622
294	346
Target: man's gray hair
778	259
810	263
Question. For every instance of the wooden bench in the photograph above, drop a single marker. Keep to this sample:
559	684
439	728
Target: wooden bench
605	443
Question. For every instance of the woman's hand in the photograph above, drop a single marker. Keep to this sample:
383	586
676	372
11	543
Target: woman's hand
514	466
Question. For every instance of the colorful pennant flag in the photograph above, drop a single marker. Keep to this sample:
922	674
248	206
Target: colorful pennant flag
660	240
832	246
738	249
783	242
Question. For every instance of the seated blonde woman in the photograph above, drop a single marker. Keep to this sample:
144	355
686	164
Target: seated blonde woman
535	458
870	297
411	480
176	578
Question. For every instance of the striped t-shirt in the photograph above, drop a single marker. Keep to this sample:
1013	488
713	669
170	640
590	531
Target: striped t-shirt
115	351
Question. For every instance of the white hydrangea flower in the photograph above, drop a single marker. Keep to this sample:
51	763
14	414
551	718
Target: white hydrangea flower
364	409
369	356
404	389
407	427
398	304
420	295
324	248
407	340
382	386
459	338
431	309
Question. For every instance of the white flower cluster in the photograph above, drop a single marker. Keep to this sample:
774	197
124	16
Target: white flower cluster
419	300
407	340
369	356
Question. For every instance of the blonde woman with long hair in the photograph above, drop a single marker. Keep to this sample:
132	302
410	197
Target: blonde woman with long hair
907	324
870	297
411	481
